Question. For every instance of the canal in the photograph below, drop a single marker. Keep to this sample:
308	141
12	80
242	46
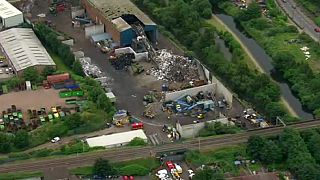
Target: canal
265	62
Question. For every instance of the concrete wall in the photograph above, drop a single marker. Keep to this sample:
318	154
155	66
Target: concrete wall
92	30
138	56
192	130
222	90
171	96
76	11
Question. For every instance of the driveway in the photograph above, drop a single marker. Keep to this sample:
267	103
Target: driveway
297	16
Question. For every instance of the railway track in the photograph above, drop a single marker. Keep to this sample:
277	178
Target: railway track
143	152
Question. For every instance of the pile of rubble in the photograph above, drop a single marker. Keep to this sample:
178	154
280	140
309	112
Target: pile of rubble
94	71
174	68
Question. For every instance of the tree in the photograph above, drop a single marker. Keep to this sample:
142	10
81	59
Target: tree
208	173
73	121
31	74
270	153
203	7
77	68
5	143
253	11
137	142
22	139
314	146
48	70
255	146
102	168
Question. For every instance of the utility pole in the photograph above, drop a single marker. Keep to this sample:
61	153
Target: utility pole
279	119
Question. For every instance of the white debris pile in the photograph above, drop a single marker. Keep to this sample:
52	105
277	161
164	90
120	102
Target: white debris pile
89	68
174	68
306	52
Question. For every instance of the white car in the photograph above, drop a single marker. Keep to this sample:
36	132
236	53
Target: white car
178	168
162	174
55	139
191	173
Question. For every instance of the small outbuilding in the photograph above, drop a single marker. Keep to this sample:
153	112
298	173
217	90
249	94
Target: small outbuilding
9	15
117	139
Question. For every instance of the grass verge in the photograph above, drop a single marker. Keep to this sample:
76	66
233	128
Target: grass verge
19	175
149	163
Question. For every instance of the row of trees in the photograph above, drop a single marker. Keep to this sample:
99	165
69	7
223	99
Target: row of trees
300	156
304	81
50	40
184	19
8	142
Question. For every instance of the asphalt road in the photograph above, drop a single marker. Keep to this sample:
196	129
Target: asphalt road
143	152
299	18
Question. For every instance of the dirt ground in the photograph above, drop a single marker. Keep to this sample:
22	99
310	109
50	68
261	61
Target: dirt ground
37	99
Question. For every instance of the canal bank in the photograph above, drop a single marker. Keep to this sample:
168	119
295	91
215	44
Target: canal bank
263	63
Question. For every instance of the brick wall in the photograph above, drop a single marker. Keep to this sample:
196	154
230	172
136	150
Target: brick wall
96	16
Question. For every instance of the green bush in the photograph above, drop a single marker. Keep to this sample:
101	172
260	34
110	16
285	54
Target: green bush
134	170
137	142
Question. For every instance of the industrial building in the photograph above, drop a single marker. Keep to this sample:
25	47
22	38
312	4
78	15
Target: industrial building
119	17
9	15
117	139
23	49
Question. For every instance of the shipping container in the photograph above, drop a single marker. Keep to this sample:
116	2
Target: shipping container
72	86
65	94
71	101
58	78
58	86
78	93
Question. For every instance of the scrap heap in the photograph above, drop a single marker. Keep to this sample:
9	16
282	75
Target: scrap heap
174	68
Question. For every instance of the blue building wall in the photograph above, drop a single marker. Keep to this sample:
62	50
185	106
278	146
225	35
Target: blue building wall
127	35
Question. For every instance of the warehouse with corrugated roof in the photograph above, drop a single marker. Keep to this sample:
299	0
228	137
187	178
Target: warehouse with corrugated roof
23	49
9	15
118	16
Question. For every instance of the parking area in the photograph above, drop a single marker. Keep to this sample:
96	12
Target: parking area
32	99
6	71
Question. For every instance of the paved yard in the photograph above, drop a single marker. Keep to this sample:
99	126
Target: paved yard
37	99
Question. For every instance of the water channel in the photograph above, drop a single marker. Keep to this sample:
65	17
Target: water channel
265	62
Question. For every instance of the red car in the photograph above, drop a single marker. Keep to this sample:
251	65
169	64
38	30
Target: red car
317	30
127	177
170	165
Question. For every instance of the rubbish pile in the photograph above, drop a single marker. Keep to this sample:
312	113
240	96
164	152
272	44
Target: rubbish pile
174	68
172	132
93	70
194	106
89	68
122	61
251	115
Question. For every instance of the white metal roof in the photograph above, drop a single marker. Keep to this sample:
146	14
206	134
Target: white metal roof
8	10
115	139
24	48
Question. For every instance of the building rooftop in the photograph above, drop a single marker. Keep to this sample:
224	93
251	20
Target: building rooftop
113	9
24	48
121	24
115	139
8	10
